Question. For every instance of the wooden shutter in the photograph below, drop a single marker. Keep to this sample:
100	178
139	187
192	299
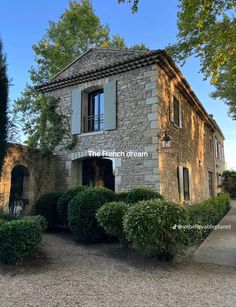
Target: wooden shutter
110	105
76	112
181	182
190	184
180	114
172	108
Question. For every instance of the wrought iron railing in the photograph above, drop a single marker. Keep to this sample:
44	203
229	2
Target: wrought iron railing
93	123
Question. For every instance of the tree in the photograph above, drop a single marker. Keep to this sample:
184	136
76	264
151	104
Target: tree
3	105
207	30
77	30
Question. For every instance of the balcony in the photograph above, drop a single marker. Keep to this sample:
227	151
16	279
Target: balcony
93	123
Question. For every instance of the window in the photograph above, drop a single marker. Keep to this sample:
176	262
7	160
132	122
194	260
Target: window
184	183
210	144
176	111
217	149
210	184
94	121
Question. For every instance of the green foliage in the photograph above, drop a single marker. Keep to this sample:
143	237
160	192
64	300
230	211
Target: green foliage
122	196
18	239
77	30
138	194
4	84
47	207
42	119
110	217
8	217
208	212
39	219
150	227
135	3
207	31
82	213
63	202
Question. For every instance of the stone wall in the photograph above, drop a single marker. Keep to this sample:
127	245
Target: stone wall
190	145
97	58
136	129
45	174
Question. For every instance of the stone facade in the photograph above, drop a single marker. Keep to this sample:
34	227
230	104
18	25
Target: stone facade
190	144
145	82
143	113
42	174
136	129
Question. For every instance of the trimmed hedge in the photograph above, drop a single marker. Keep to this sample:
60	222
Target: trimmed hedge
150	226
138	194
47	207
82	213
39	219
63	201
110	217
18	239
208	212
8	217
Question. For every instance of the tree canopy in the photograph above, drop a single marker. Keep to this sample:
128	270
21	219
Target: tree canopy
77	30
207	30
3	105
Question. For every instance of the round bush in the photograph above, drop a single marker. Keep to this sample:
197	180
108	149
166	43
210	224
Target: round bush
63	201
82	213
151	227
110	217
138	194
47	207
39	219
8	217
18	239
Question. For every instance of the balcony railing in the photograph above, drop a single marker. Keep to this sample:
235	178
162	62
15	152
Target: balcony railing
93	123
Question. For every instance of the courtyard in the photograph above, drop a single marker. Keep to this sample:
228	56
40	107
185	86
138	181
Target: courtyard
64	273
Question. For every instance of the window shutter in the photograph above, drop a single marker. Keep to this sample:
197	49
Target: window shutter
172	108
181	182
76	112
110	105
180	114
190	184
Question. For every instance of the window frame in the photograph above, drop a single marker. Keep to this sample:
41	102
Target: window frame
186	185
89	120
176	111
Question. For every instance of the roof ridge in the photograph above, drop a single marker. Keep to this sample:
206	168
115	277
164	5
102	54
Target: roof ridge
113	49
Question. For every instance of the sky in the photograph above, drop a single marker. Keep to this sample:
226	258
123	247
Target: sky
23	23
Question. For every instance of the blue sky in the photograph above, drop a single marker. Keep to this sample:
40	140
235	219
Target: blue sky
23	23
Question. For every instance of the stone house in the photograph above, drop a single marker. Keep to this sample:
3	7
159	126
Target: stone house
136	122
125	108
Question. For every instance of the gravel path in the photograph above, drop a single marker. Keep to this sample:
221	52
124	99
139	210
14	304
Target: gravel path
64	273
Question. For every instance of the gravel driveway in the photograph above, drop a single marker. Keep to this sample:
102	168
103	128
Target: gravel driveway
64	273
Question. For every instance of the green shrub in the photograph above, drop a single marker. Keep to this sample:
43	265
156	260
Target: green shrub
40	219
208	212
138	194
63	201
18	239
47	207
110	217
122	196
8	217
82	213
150	226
